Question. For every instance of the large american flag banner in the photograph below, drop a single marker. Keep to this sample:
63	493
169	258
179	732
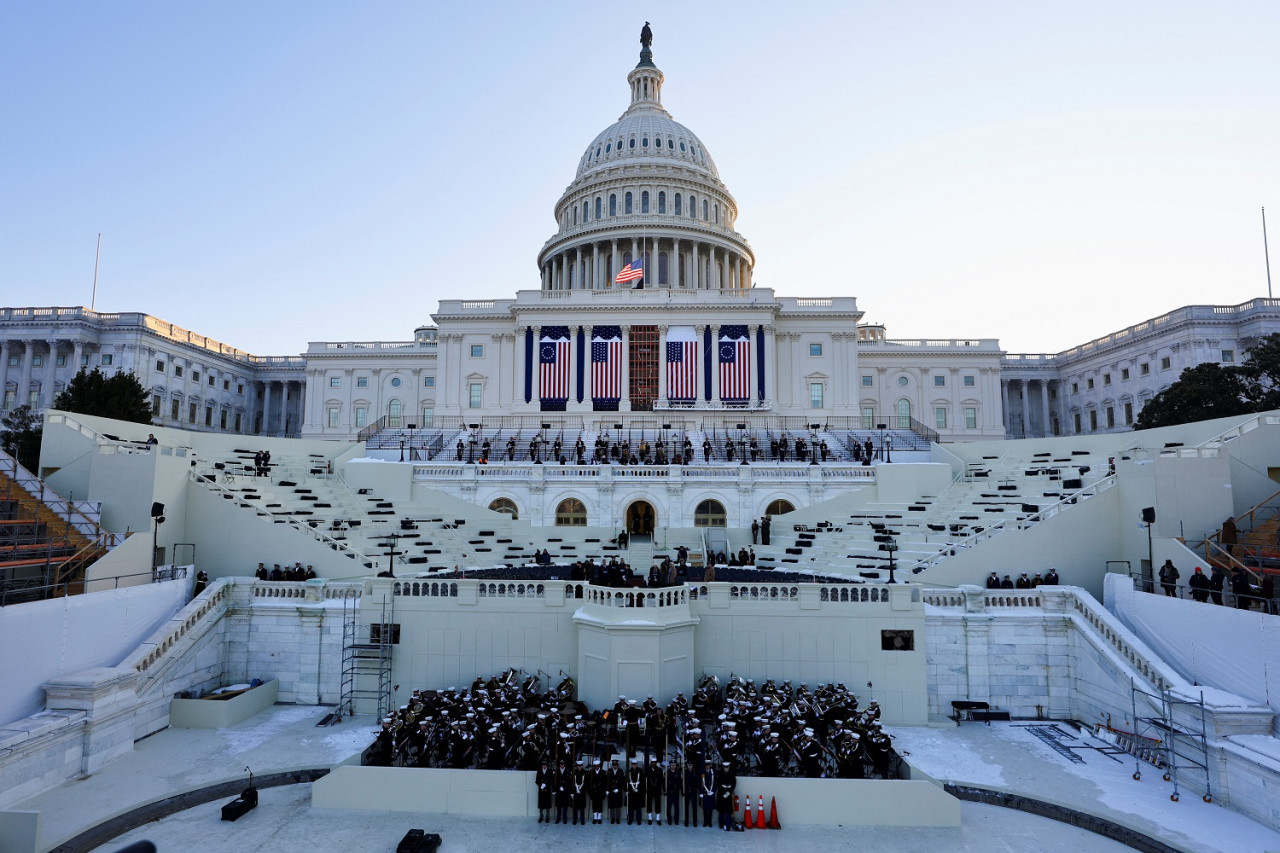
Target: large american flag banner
735	363
631	272
606	363
553	363
682	363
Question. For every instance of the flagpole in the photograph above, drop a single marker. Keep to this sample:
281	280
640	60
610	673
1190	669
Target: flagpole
93	299
1265	254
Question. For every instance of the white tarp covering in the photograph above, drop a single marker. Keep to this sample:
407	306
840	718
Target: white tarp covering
1237	651
45	639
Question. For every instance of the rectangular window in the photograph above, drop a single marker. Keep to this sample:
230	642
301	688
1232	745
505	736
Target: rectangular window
1228	355
34	400
1128	413
191	413
390	630
84	360
212	379
475	395
1124	374
14	361
195	376
335	381
177	370
61	360
970	417
333	416
1075	387
9	399
866	380
1111	417
155	405
1089	383
939	381
970	381
240	390
1144	369
38	360
160	366
362	381
940	417
815	395
892	640
868	417
1106	379
226	385
815	349
1164	363
477	350
208	416
238	422
362	413
174	409
1093	420
428	382
222	419
1076	420
428	417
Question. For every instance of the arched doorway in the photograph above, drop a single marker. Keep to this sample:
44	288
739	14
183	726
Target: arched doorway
640	519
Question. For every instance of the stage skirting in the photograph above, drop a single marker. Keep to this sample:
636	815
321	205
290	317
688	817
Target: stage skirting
846	802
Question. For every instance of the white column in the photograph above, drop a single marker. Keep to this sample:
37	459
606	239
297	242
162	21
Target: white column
4	372
697	269
595	266
712	284
1044	407
46	384
1005	415
24	382
537	378
579	275
1024	414
616	265
266	407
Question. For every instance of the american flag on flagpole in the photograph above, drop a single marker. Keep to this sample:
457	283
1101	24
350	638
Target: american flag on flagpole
682	363
735	363
606	363
631	272
553	364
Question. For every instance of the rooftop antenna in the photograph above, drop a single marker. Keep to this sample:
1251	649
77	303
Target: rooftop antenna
93	299
1265	254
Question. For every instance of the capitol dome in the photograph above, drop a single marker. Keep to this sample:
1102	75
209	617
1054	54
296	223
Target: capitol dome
646	189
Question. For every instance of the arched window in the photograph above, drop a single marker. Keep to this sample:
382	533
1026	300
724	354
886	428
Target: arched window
709	514
662	268
778	507
575	215
632	143
704	210
644	202
571	513
904	413
598	207
678	211
626	203
613	205
662	202
505	506
586	211
395	413
693	207
717	214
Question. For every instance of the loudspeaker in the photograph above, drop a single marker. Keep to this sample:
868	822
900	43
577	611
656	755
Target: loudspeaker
157	509
1148	515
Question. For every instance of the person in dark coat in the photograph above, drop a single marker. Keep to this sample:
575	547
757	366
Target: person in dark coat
707	793
1199	584
1217	581
764	530
673	782
597	790
1007	583
1051	579
692	787
637	792
578	793
1229	536
617	781
725	784
654	781
1242	589
564	791
993	581
1169	578
545	780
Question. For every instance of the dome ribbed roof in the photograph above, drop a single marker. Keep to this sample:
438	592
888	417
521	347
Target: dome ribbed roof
646	135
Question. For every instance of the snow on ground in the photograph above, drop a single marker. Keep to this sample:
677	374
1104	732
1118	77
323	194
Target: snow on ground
1009	757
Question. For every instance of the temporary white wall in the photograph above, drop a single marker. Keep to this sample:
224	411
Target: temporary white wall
1233	650
60	636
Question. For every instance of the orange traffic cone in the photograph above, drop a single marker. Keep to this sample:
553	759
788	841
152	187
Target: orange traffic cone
760	824
746	817
773	813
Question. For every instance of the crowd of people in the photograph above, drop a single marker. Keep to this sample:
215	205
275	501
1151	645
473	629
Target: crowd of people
676	451
1211	587
296	572
1049	578
683	760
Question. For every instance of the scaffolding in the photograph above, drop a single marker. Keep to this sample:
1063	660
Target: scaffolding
366	659
1181	743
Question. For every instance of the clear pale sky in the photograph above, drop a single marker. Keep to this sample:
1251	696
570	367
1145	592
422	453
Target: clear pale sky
276	173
